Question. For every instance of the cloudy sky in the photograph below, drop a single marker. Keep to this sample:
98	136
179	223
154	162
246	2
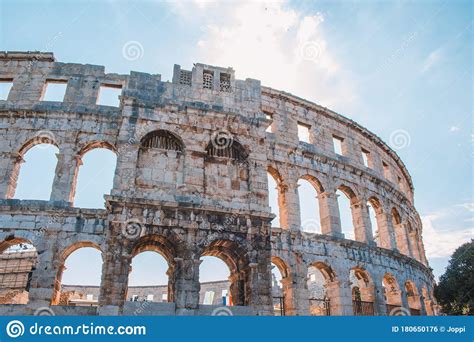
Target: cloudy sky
390	66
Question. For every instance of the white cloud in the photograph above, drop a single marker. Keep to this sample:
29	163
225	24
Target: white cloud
446	230
280	46
454	129
433	58
469	206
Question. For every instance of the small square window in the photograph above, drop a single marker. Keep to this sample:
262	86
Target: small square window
365	157
54	90
109	95
5	87
149	298
303	132
337	143
164	297
207	79
90	297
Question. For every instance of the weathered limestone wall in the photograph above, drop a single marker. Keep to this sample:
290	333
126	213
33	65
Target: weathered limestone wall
191	181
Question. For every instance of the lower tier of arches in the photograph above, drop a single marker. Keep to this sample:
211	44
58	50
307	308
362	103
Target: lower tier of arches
319	275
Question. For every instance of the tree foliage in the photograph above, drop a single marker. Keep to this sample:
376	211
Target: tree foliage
455	291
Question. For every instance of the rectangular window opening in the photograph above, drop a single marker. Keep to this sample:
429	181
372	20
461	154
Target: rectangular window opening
109	95
303	132
269	116
400	183
337	143
149	298
208	297
164	297
90	297
207	79
225	82
386	170
5	87
365	157
54	90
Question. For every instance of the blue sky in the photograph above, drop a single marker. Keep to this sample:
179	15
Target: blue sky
388	65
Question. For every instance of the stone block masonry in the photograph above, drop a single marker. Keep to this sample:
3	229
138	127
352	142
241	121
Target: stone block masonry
193	156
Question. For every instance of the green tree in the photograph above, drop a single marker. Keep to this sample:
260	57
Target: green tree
455	291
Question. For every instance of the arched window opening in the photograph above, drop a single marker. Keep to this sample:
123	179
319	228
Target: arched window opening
273	199
278	293
413	298
392	294
345	214
160	165
401	237
17	263
414	240
95	178
319	275
79	278
36	173
214	277
396	219
427	298
227	170
363	295
162	140
374	222
232	276
145	285
309	207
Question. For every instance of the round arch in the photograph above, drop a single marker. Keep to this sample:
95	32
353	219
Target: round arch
319	277
165	247
413	298
282	266
315	182
92	145
236	260
392	293
59	265
43	137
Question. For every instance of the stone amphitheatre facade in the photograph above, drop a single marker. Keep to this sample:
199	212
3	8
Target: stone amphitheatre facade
193	157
